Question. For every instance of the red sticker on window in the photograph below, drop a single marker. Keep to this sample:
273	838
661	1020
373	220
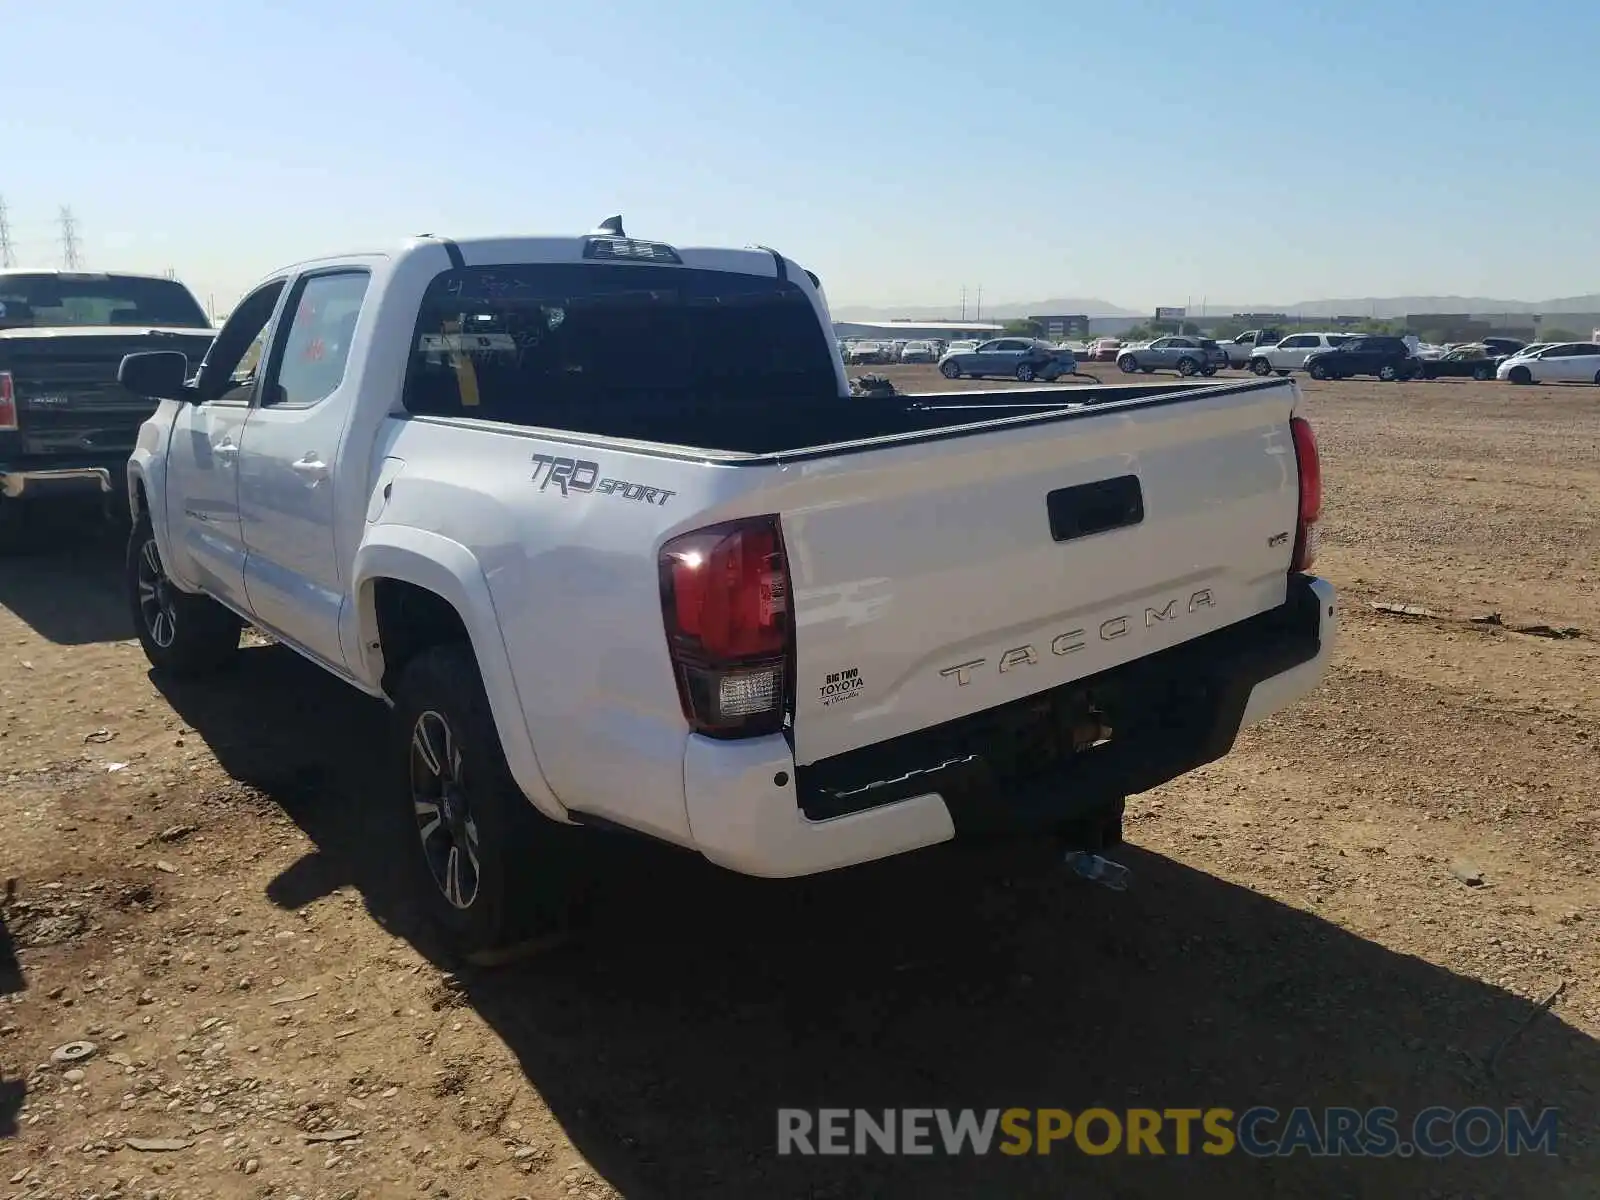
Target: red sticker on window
316	350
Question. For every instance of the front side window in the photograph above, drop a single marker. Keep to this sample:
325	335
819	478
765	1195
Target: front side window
566	345
228	375
316	346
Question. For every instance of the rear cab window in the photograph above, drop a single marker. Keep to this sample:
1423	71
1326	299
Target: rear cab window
613	348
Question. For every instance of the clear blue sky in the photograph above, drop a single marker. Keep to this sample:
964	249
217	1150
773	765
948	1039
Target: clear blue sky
1137	151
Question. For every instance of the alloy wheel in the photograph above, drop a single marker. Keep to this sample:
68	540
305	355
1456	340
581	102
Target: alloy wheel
156	605
445	823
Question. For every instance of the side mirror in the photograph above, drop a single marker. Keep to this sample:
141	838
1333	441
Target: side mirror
161	374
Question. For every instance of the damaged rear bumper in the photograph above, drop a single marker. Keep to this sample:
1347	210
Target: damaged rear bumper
1021	766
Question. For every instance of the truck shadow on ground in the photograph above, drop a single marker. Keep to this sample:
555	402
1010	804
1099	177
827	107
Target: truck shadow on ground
12	1091
700	1002
66	583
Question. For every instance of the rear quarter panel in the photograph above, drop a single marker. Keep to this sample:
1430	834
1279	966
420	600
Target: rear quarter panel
573	582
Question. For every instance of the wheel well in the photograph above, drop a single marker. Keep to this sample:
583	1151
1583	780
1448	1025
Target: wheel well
412	619
140	503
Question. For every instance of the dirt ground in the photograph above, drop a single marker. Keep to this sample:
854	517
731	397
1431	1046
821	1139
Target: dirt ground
1365	904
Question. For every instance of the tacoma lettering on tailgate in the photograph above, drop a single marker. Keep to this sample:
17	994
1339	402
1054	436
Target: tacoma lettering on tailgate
1073	640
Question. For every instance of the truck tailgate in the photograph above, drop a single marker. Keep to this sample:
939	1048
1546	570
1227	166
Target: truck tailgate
937	579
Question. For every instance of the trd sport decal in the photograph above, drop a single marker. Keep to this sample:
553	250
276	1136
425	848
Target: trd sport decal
583	476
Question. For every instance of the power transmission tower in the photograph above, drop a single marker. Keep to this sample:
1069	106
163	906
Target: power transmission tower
71	254
8	255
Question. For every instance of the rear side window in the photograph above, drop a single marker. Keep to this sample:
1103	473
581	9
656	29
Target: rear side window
578	345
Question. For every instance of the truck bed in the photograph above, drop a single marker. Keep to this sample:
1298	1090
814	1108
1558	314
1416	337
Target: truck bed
798	428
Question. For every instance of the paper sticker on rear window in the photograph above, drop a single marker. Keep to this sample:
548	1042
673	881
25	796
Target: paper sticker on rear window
465	343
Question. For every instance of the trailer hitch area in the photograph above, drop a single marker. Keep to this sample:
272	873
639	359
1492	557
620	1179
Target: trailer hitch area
1085	840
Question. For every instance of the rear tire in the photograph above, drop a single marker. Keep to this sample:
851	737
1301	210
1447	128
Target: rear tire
494	874
1484	374
1187	367
1389	373
950	370
184	635
1024	373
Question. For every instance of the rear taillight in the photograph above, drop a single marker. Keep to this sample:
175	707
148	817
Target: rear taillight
725	599
8	404
1310	468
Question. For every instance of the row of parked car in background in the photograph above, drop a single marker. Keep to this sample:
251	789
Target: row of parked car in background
1322	355
897	351
1020	358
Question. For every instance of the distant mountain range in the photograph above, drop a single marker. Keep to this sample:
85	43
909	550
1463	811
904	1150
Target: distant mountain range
995	312
1381	307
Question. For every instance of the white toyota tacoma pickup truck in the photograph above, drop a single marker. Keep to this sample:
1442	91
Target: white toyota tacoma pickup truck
599	519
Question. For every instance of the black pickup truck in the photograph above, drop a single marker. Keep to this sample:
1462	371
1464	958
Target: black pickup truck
66	424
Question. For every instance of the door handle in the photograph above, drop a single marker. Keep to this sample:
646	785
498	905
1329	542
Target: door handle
311	468
225	449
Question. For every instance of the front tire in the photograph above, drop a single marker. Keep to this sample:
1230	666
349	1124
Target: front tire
1520	375
950	370
1318	371
1128	364
184	635
1261	367
1389	373
1187	367
1024	373
494	874
1483	375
